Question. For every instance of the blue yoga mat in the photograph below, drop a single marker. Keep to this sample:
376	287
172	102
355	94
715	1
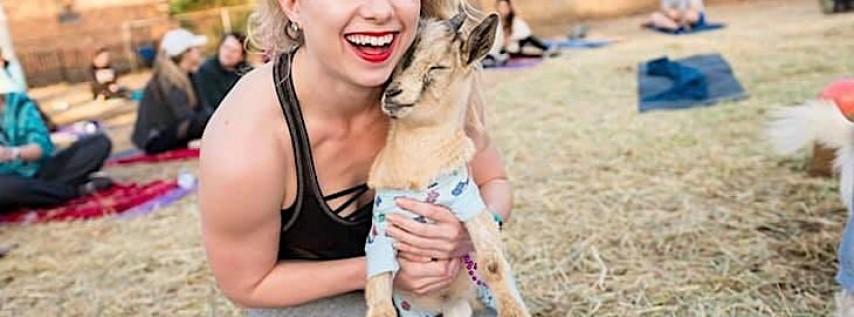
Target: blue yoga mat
579	43
701	26
125	154
686	89
517	63
697	29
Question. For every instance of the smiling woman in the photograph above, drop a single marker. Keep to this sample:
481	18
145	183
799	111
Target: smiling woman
286	230
374	47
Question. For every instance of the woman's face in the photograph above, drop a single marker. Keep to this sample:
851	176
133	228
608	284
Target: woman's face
102	59
230	52
191	59
358	41
504	8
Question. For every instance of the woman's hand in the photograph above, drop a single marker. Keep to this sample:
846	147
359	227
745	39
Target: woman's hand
445	238
424	277
5	154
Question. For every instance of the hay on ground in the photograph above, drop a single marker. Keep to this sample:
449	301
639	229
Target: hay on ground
617	214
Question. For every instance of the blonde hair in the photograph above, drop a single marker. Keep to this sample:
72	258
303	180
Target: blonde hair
268	24
169	76
268	32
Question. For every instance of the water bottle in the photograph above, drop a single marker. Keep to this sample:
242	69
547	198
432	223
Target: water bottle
186	179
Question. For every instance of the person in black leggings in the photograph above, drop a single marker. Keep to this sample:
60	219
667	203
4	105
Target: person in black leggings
517	34
31	176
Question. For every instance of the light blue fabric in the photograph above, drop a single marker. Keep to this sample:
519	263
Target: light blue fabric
845	275
702	25
579	43
16	74
455	190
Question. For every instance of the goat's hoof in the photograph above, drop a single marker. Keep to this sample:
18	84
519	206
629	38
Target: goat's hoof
513	308
513	313
384	310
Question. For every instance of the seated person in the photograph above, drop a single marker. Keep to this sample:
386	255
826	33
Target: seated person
105	77
12	72
677	15
170	114
31	176
219	73
516	34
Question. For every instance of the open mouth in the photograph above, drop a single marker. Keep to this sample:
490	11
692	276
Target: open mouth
375	47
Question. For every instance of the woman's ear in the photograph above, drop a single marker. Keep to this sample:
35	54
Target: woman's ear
291	8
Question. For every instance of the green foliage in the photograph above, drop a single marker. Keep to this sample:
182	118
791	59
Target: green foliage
183	6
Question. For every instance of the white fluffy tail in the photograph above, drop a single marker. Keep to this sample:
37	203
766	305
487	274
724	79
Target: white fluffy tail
817	121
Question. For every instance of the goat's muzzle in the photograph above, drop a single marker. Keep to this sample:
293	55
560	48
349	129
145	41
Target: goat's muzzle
395	110
393	91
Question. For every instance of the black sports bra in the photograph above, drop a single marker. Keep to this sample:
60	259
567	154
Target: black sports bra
311	229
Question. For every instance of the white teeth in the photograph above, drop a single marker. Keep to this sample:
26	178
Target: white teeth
359	39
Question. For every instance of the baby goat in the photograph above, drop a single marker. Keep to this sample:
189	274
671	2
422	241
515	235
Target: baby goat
425	158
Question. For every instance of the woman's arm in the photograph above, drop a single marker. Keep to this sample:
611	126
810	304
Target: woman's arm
491	176
26	153
246	160
37	143
487	166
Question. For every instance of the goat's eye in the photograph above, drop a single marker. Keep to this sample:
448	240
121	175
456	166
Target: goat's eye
427	78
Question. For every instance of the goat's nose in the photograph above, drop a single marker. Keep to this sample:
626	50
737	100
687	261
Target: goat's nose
393	91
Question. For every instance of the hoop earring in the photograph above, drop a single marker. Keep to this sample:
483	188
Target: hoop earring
293	30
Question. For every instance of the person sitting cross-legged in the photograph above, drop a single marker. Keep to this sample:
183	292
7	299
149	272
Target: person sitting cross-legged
676	15
31	175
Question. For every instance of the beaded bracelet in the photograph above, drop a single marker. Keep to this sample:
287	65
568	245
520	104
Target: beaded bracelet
498	219
16	153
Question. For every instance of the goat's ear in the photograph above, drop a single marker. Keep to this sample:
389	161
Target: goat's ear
480	40
456	22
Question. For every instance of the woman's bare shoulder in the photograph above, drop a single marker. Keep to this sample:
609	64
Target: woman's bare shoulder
254	95
244	145
250	114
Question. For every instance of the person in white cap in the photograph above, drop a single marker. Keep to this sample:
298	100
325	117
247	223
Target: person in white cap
31	175
171	114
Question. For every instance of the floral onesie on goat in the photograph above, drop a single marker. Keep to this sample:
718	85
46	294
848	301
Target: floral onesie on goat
456	191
